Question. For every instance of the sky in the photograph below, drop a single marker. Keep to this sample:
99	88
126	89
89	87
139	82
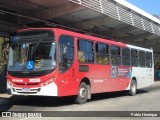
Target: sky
150	6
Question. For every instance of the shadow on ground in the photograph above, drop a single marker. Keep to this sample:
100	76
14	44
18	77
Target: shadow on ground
109	95
43	101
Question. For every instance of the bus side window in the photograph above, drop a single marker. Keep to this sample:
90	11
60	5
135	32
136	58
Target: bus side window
115	55
148	59
126	56
134	57
66	53
85	51
142	59
102	53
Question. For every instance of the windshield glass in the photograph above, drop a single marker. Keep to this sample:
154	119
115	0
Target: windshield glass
32	53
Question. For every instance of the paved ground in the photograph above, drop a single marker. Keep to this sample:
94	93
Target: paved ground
147	99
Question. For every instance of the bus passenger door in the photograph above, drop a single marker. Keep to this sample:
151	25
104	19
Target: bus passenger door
66	67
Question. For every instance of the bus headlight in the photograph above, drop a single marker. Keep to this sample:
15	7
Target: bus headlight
41	84
8	81
51	80
46	82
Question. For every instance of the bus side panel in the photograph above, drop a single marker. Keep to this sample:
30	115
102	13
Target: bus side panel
98	76
68	84
120	77
102	80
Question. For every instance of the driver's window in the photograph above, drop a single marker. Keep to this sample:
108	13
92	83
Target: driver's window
66	53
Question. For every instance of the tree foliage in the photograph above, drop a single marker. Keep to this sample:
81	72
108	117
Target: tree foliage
157	63
4	48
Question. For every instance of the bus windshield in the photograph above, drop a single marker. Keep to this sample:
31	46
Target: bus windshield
32	51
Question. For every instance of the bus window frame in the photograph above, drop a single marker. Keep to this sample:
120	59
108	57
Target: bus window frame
120	55
93	52
127	56
109	55
142	51
135	57
150	59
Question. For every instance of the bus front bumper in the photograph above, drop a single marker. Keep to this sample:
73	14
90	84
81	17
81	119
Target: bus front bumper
48	90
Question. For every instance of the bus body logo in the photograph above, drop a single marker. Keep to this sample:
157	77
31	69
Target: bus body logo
17	80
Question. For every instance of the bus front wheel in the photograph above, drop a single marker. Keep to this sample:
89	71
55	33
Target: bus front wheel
82	94
133	88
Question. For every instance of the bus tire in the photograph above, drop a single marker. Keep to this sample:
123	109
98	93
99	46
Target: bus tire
82	94
133	88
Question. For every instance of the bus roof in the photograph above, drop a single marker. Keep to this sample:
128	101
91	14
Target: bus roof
88	37
140	48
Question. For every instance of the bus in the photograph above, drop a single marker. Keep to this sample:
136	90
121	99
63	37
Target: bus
57	62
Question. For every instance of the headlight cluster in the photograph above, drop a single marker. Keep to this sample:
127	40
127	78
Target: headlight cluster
9	82
47	82
41	84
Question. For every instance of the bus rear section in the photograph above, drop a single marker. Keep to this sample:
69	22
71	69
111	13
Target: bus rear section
142	66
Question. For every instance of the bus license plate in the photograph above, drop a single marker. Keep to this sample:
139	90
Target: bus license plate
25	89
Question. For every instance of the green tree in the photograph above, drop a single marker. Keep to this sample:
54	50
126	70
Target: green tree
3	50
157	63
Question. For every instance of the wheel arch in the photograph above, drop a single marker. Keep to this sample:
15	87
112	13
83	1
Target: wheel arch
134	78
86	80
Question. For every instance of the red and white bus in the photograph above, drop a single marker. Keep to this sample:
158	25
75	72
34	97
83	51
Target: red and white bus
57	62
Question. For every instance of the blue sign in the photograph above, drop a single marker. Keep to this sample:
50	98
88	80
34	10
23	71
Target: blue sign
30	65
24	46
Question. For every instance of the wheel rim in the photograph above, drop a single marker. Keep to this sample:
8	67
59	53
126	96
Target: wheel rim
134	88
82	92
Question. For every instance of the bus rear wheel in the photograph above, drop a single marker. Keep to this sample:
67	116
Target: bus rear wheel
82	94
133	88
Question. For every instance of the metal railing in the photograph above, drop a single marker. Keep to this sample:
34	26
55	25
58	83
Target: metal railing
110	8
